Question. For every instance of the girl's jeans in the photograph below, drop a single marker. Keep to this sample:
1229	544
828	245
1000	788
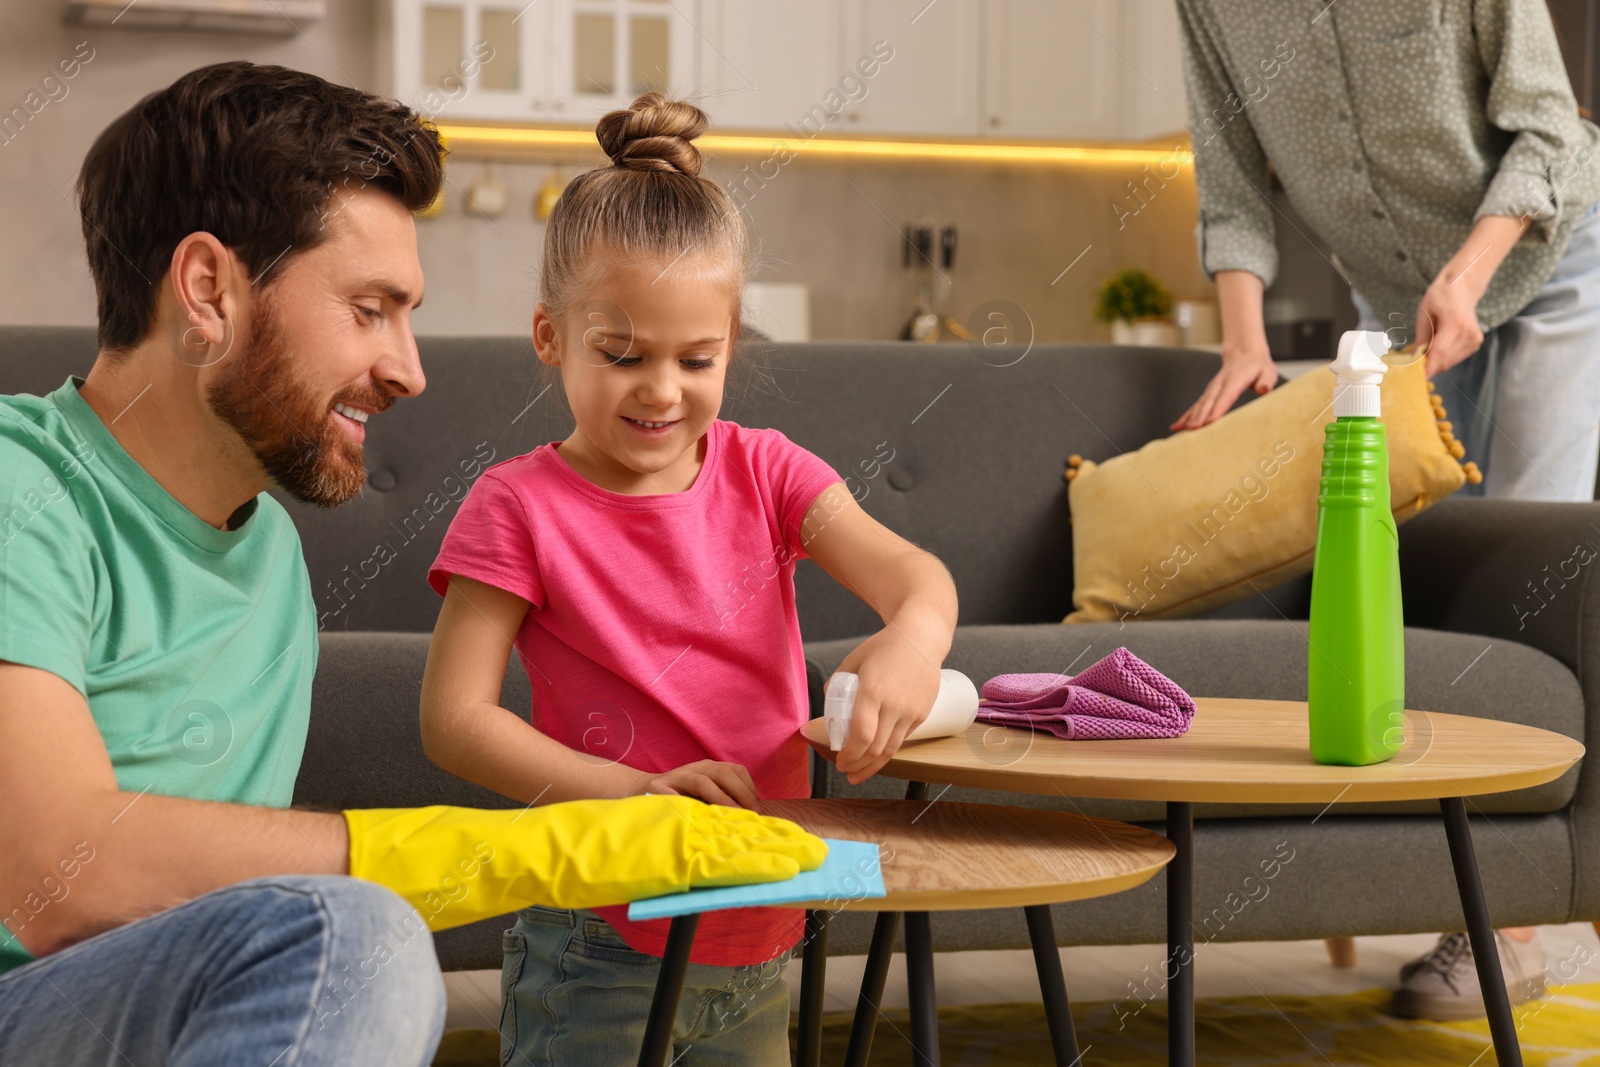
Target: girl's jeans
577	996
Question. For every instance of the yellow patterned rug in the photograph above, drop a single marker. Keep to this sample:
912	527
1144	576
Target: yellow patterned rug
1562	1030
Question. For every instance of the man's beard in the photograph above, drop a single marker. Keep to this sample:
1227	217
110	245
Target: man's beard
290	429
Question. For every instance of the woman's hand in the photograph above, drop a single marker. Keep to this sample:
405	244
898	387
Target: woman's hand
896	691
1447	317
1447	325
1243	367
1246	360
709	780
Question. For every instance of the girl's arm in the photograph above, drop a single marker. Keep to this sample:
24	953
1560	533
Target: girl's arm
468	733
914	596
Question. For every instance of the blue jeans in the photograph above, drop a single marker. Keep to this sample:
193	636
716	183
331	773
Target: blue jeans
577	996
295	971
1526	405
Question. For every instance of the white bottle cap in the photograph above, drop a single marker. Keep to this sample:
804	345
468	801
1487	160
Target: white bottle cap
1358	373
954	709
838	705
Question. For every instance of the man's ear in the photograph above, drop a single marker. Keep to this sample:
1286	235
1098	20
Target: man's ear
206	280
546	337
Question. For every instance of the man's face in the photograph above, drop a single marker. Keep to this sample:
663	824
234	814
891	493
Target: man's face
329	342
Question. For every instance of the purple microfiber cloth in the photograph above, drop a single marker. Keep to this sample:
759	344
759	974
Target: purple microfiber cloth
1120	696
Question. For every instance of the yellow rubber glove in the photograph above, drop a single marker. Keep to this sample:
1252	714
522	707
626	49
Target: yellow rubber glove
459	865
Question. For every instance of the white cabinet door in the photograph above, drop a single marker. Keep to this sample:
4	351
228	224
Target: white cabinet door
766	64
606	52
1054	69
1023	69
471	59
1155	104
928	81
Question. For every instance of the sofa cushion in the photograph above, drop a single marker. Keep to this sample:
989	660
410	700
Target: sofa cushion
364	750
961	455
1209	516
364	745
976	443
1455	673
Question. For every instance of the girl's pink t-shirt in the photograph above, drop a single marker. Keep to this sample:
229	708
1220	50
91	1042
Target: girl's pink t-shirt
663	627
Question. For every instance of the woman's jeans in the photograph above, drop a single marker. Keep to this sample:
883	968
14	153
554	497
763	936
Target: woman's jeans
577	996
296	971
1526	405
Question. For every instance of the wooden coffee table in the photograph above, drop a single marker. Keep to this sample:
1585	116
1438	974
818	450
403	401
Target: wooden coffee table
1252	751
956	857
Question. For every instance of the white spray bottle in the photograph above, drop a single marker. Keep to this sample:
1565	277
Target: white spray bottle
954	709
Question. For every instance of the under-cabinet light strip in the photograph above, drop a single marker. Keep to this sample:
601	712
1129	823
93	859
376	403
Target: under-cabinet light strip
507	139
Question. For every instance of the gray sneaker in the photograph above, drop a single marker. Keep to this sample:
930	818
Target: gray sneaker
1443	984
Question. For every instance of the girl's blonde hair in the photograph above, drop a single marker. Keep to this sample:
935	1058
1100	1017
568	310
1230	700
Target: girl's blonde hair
651	203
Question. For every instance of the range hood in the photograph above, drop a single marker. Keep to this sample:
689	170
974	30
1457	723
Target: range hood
277	18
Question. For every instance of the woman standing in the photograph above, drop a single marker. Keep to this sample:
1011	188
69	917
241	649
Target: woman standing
1436	148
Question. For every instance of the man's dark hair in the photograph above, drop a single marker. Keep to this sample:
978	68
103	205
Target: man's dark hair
249	154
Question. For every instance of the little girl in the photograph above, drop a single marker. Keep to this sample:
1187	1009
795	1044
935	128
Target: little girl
643	568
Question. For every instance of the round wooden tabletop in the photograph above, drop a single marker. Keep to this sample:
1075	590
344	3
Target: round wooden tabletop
949	857
1238	751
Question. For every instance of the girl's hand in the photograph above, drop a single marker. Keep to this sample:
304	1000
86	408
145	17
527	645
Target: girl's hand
897	688
708	780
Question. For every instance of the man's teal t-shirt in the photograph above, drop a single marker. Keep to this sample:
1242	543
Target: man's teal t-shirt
194	647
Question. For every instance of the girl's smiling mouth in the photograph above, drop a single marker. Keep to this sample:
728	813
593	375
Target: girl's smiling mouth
654	429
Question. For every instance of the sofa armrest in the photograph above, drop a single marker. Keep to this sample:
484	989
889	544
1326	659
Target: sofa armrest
1513	569
1522	571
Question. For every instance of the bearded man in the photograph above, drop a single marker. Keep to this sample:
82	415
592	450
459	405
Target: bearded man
250	234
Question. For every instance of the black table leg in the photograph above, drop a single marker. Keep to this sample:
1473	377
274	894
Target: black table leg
1180	935
669	987
879	955
813	974
871	995
1052	986
919	987
1484	951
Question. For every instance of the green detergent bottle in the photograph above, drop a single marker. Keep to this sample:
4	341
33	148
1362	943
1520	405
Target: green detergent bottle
1356	670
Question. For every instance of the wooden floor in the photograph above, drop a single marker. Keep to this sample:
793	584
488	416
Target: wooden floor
1112	973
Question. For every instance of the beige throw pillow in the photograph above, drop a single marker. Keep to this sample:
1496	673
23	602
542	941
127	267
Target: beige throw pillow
1205	517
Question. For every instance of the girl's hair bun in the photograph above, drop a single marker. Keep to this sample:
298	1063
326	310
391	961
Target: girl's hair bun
654	133
651	205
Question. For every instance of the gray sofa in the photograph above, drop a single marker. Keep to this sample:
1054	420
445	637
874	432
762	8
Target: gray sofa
976	478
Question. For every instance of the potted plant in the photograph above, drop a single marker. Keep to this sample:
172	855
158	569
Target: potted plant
1136	307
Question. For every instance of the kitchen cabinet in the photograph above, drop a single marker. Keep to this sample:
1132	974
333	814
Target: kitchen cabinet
1053	69
1073	70
609	51
565	61
1153	96
1083	70
762	66
930	85
475	59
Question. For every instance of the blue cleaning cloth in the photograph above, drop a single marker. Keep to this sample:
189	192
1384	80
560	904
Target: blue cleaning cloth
851	872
